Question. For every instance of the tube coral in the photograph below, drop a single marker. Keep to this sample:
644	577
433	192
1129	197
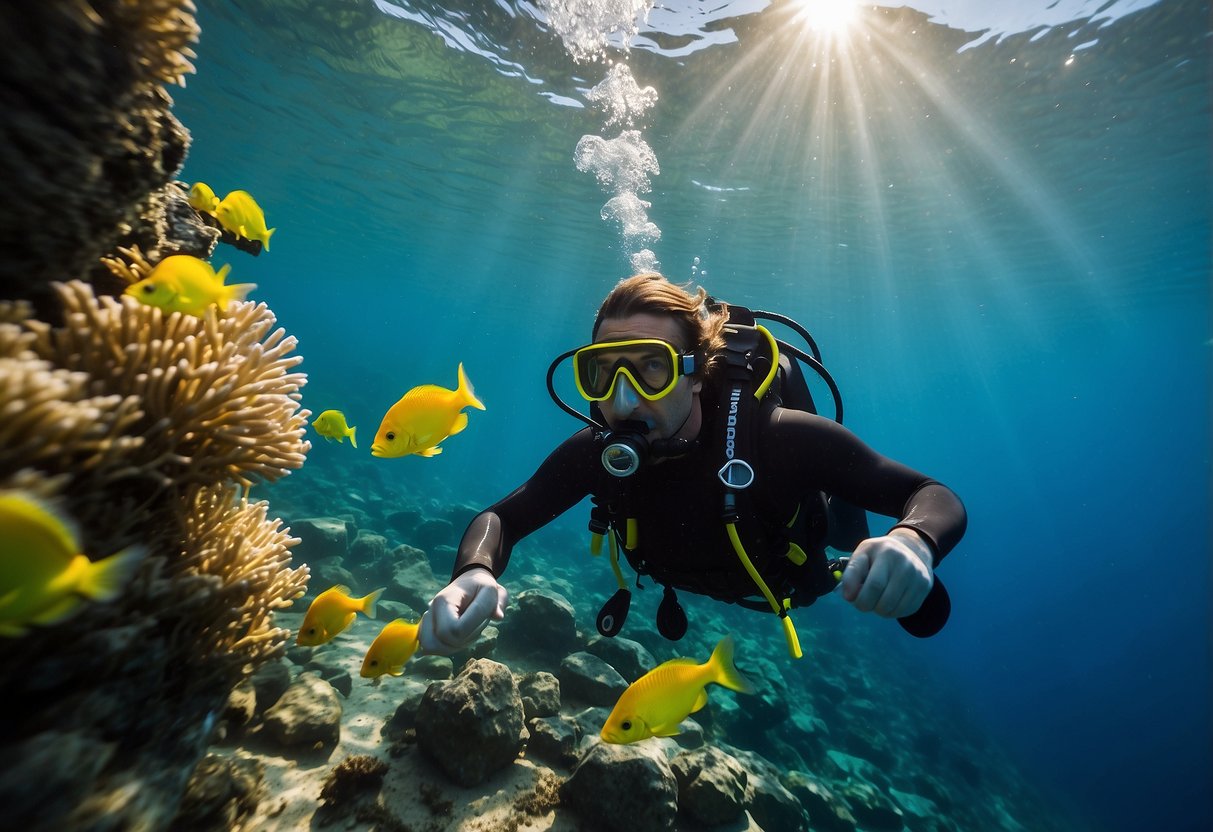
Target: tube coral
162	30
219	396
234	542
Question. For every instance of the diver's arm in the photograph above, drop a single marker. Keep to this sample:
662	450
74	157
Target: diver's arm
563	479
463	608
891	574
934	513
810	452
482	546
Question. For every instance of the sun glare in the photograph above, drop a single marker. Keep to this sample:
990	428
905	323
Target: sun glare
830	17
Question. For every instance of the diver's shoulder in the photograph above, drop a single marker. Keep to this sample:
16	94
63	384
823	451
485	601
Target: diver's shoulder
793	432
572	458
789	418
585	436
577	444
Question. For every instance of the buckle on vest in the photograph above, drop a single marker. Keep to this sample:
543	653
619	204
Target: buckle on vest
736	474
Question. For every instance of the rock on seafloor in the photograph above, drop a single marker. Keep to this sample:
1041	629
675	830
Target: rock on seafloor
625	788
308	714
472	725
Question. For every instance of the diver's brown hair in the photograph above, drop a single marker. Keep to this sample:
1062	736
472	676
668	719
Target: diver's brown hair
701	325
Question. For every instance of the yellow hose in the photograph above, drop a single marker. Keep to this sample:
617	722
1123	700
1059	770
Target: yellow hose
789	631
766	382
615	563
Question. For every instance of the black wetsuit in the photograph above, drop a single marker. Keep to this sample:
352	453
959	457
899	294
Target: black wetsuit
682	541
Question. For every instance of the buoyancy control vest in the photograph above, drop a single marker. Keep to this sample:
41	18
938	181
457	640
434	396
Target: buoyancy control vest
789	567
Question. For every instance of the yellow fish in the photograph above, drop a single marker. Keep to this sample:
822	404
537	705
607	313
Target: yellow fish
182	283
331	425
424	417
395	645
43	576
202	198
654	704
331	612
240	214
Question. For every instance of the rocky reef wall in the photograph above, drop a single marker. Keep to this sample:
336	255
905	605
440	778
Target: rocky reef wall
88	141
143	430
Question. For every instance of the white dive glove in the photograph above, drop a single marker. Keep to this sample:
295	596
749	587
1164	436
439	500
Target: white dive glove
461	610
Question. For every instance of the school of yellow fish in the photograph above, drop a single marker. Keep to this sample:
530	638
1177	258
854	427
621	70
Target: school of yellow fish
334	610
237	212
416	424
653	706
187	284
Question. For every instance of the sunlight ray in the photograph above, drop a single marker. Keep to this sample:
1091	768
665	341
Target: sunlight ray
843	119
1014	173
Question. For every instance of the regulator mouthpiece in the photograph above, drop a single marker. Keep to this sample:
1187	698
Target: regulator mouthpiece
623	456
626	449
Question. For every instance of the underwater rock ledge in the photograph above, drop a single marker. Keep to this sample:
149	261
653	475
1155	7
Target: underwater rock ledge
88	142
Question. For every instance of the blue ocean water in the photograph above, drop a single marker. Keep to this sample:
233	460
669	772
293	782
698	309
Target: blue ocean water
997	229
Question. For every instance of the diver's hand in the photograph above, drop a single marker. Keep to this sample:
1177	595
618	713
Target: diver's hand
889	575
460	611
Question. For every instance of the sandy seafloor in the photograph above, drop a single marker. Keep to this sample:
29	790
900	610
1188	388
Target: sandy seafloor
292	784
871	660
293	781
415	796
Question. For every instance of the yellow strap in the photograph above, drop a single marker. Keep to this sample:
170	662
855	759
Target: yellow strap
615	563
795	514
595	544
749	567
789	631
632	534
796	555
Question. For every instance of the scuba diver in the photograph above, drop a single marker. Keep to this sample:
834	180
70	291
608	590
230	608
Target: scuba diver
712	473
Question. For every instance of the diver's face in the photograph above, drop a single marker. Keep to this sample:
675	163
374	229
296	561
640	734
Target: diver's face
674	414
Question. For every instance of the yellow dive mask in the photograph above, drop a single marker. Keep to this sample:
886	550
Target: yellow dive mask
650	364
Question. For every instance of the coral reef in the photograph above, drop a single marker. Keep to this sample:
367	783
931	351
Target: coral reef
88	143
217	393
143	428
109	712
134	403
